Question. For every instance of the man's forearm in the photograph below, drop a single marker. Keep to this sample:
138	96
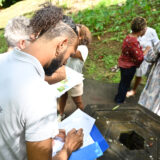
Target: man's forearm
62	155
54	78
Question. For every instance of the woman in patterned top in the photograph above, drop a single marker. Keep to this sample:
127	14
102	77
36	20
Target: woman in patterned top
131	57
150	96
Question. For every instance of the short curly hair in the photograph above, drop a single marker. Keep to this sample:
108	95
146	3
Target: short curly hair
85	34
138	24
45	18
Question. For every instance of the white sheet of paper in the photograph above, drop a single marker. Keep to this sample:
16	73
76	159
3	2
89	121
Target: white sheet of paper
57	147
72	79
78	120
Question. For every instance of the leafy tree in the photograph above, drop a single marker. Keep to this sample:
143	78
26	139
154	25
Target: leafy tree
7	3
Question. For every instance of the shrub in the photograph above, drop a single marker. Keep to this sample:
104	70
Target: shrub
7	3
3	44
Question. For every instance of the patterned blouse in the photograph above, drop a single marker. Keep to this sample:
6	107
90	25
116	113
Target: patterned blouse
150	96
132	54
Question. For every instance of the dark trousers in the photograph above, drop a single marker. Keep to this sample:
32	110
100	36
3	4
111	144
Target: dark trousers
127	75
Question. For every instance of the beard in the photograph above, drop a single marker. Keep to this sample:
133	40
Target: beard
55	64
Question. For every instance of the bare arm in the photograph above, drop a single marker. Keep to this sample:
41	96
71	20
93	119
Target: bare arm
146	50
39	150
57	76
77	55
43	150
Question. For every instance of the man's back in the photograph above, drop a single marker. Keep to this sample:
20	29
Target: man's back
27	107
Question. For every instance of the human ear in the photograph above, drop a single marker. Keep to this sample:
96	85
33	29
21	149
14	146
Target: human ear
62	46
21	44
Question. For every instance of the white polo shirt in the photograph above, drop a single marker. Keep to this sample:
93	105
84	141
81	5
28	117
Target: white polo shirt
28	107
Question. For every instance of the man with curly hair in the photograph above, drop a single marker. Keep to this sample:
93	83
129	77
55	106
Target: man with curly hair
28	107
44	18
60	73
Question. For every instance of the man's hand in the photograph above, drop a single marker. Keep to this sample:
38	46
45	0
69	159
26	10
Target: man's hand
58	75
74	140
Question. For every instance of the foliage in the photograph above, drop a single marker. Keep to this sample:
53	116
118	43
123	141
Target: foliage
114	17
3	44
109	60
1	2
7	3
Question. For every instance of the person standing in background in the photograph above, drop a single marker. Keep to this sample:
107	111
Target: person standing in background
150	96
131	57
150	38
76	62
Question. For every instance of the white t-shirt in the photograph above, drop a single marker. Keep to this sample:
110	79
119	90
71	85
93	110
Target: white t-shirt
76	63
149	39
28	108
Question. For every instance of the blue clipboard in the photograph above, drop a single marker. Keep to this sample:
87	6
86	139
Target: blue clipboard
98	137
93	151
